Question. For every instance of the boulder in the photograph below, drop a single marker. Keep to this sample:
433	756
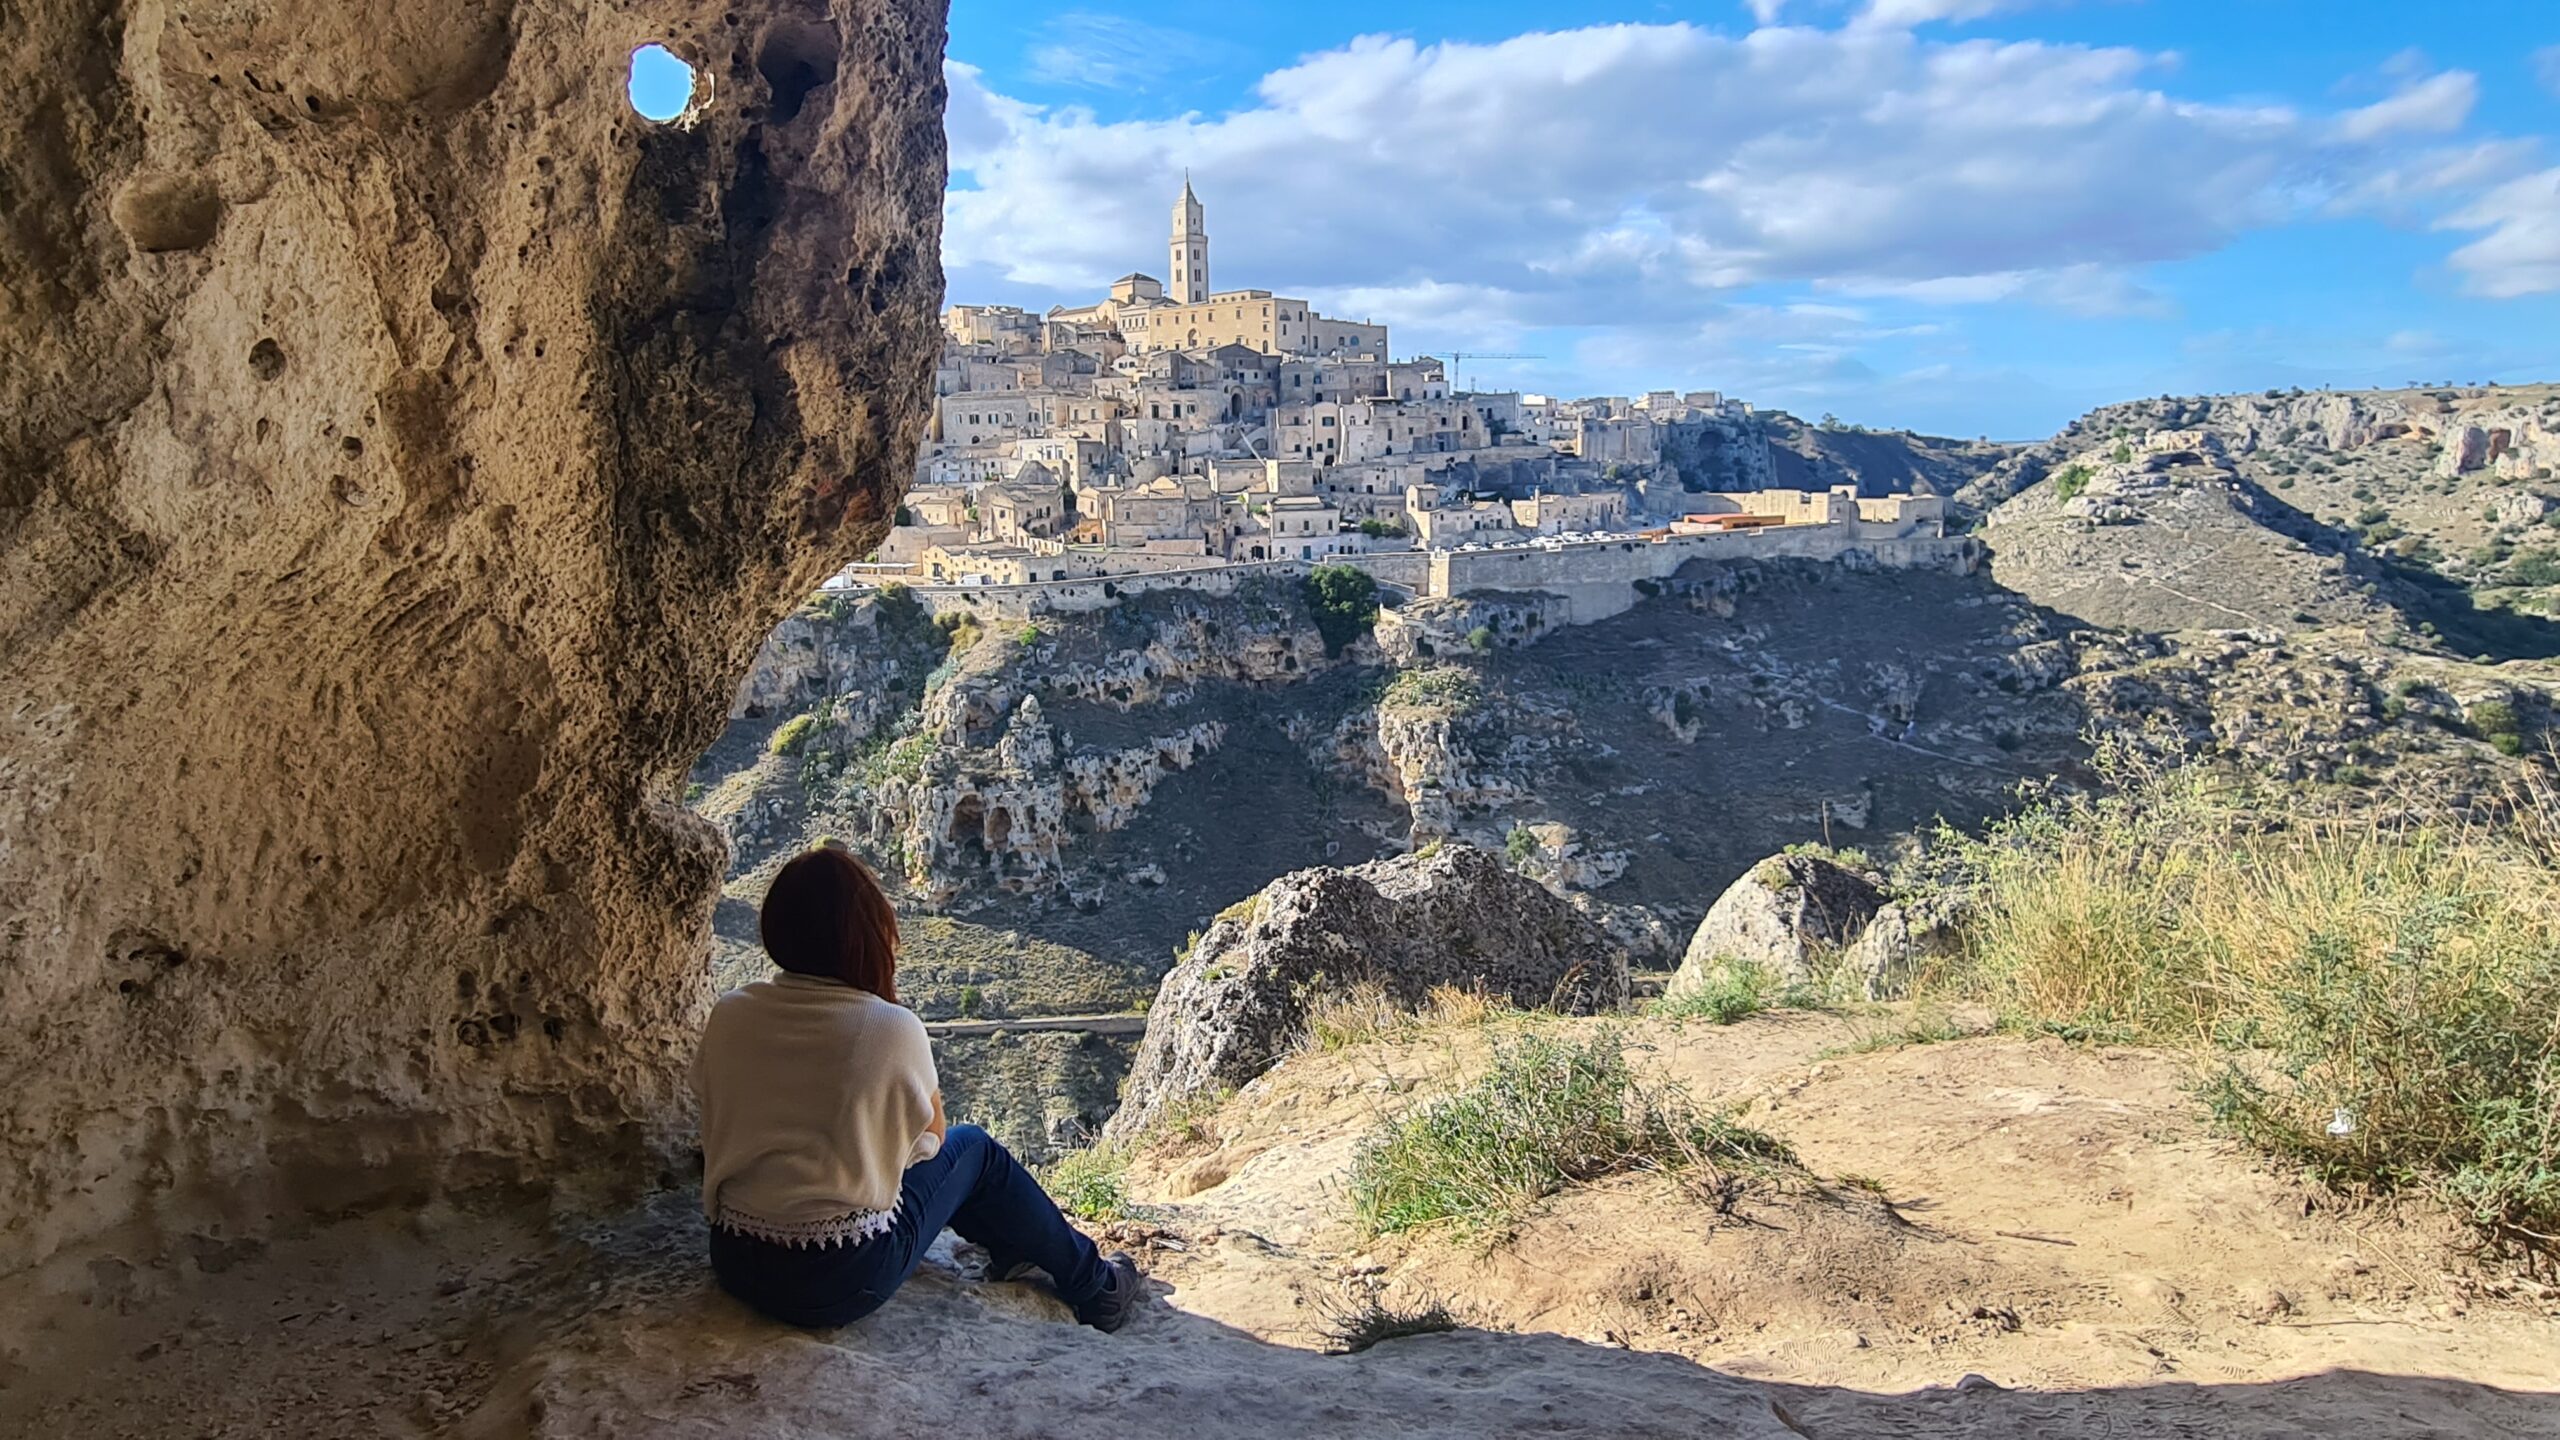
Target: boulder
1447	915
1784	914
1903	937
2466	449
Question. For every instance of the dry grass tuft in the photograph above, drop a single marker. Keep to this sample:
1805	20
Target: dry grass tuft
1364	1013
1361	1315
2378	1002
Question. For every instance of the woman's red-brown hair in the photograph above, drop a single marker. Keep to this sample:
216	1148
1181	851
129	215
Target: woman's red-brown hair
825	915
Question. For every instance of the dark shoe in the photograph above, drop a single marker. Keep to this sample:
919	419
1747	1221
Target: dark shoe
1006	1267
1122	1289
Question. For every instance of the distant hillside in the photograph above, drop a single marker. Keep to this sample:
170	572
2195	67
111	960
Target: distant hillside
1878	462
2432	512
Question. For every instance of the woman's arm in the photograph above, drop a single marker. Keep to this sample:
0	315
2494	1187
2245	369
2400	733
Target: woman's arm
940	1124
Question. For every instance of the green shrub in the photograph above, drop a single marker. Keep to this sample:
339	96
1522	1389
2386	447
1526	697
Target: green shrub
1445	688
1733	991
2072	480
1551	1111
899	760
2123	454
791	735
1091	1183
1344	602
1519	845
1480	638
2490	717
2376	1003
2534	568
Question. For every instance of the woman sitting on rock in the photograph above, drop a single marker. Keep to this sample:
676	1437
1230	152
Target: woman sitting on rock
827	1165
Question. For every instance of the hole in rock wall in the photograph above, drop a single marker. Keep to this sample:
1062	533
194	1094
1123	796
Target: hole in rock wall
795	59
661	85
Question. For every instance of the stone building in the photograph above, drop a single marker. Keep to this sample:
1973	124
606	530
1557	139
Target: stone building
1148	315
1027	506
1548	514
1166	508
1304	527
1467	522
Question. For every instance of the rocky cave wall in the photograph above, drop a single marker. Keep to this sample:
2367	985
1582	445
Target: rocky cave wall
404	447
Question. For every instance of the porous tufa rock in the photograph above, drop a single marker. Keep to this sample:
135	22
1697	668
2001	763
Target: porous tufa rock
167	212
371	570
1447	915
1783	916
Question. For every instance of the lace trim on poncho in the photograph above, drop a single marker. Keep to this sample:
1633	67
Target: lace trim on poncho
851	1228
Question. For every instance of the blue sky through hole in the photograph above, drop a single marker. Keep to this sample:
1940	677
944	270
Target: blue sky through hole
661	84
1966	216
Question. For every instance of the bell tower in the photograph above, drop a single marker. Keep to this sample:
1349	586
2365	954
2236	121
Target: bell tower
1190	248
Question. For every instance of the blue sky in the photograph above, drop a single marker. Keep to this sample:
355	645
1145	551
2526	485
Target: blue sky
1964	216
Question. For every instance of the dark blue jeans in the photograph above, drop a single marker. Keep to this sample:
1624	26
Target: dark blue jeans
973	1186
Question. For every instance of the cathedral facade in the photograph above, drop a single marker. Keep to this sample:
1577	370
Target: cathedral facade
1148	315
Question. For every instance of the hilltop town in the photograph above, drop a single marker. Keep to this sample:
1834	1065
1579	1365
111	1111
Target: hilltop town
1175	428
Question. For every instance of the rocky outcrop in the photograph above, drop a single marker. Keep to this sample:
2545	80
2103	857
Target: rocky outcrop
1449	915
1001	817
1443	626
1902	940
1786	917
403	449
2466	449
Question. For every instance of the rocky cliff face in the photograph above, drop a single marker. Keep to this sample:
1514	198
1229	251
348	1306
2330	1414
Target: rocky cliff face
404	449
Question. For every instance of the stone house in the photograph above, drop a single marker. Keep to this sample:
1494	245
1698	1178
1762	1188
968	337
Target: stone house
1549	514
1304	527
1029	505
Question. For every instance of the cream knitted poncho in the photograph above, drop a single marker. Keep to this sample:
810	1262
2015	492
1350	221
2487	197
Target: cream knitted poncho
815	1099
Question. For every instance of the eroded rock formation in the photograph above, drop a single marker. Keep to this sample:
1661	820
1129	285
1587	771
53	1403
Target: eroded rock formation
403	449
1449	915
1782	918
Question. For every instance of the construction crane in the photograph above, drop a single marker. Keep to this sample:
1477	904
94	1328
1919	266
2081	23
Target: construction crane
1459	358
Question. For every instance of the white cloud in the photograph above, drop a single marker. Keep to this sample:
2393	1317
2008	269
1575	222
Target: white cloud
1615	172
2520	254
2400	189
2546	67
2436	105
1113	52
1765	11
1905	14
2084	290
1532	192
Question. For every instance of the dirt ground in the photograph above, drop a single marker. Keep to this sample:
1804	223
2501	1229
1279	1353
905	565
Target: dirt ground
2009	1238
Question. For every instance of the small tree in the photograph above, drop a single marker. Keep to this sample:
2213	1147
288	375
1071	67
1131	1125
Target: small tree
1344	602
